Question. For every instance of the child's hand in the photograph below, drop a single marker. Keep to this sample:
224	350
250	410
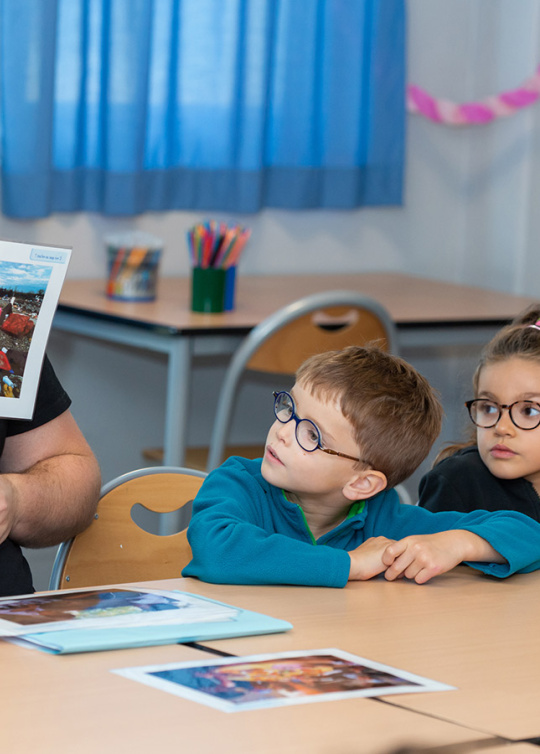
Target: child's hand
421	557
366	560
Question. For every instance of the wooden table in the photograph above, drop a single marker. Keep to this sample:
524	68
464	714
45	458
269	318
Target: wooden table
425	312
74	704
465	629
462	628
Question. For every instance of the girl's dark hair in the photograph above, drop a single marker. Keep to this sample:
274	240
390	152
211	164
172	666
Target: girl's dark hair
518	339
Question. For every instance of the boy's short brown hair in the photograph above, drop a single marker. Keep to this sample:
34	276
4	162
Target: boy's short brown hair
393	410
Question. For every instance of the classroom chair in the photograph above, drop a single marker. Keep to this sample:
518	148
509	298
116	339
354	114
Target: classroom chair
278	345
114	548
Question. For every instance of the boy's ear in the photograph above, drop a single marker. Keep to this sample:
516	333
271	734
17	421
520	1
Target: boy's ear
365	484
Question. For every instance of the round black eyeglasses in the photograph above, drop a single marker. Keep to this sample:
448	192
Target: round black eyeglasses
486	414
306	432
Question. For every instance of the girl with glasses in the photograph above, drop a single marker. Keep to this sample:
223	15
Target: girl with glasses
499	469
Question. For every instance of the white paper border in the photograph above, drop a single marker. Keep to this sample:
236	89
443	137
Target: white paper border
143	675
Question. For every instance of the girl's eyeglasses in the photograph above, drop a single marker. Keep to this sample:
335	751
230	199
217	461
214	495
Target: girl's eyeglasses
307	433
486	414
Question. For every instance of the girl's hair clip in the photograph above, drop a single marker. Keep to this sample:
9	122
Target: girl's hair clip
536	325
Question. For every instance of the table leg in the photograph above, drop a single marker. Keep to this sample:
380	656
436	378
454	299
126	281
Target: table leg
177	401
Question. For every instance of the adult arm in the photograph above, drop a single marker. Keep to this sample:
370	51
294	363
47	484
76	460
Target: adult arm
49	484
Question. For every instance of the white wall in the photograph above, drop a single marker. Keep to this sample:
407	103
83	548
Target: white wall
470	215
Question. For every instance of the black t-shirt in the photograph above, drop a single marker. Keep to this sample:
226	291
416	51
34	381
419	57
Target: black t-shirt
462	482
51	401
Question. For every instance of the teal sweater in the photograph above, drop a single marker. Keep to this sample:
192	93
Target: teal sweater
244	531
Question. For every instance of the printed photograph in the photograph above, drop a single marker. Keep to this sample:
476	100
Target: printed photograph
107	608
22	289
81	605
235	684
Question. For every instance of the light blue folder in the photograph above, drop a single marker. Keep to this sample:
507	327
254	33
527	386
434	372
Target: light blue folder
69	641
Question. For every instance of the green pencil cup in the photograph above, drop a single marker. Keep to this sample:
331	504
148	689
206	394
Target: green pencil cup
207	290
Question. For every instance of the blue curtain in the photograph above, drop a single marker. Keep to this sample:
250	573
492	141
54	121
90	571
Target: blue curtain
127	106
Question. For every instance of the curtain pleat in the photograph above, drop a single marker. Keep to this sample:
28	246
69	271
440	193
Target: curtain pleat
127	106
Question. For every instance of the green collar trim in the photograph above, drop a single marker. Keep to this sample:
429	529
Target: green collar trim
354	510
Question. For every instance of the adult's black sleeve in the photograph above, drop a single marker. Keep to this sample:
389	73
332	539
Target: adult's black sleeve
51	401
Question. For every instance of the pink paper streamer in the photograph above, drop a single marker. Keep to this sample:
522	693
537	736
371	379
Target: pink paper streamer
471	113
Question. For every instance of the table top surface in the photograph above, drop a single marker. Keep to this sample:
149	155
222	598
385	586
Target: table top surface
473	632
410	300
74	703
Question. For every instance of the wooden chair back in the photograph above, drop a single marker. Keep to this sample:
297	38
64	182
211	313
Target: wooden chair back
114	548
283	341
322	330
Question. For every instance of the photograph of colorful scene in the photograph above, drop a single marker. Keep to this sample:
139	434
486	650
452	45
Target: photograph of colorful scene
22	289
280	679
84	604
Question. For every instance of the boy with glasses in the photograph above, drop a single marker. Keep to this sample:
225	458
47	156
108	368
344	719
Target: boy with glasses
320	509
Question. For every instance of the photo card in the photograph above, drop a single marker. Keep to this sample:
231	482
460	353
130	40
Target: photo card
31	278
103	608
233	684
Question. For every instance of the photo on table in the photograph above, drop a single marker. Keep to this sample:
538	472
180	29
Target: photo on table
106	608
280	679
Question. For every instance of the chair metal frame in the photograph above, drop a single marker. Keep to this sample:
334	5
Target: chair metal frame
60	580
271	326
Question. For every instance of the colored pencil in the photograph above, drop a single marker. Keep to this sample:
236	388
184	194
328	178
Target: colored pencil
213	244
